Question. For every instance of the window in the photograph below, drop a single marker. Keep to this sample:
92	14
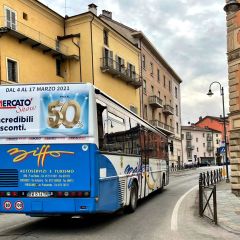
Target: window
197	149
216	135
159	94
151	69
10	18
203	135
189	155
176	92
144	87
164	81
171	122
105	37
145	112
196	139
176	110
177	127
120	64
12	70
203	144
131	71
158	75
169	86
59	67
134	109
152	90
143	61
217	141
160	117
25	16
204	154
107	58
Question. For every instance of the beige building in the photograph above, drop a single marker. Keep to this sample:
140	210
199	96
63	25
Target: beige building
160	95
200	145
233	52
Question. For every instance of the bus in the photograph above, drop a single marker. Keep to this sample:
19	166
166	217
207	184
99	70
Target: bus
70	149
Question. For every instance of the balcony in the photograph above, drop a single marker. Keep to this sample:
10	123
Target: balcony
155	102
162	126
189	137
190	147
168	110
117	70
209	148
35	39
209	138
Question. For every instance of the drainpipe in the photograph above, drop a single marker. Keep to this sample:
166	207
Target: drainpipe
80	62
93	82
141	71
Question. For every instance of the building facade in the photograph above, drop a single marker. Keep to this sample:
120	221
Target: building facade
37	45
233	53
200	146
160	95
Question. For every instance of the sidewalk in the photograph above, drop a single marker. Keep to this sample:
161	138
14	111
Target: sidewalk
228	208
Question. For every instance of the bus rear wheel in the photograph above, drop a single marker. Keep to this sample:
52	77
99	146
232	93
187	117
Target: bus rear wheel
133	198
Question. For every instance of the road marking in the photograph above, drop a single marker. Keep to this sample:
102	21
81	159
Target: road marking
174	220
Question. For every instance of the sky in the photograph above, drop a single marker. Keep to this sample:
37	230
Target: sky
189	34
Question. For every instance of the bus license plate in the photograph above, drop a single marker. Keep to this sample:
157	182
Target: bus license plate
38	194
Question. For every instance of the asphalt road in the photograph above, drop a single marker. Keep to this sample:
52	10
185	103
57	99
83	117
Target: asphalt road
169	215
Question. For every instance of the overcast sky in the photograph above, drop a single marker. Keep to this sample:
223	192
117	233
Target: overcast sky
189	34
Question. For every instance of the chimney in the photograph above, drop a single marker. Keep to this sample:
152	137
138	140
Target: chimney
92	8
200	118
107	14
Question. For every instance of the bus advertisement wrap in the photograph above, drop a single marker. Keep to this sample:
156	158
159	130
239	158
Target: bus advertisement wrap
40	110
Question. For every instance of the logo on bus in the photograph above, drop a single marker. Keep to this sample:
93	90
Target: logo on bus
40	154
12	104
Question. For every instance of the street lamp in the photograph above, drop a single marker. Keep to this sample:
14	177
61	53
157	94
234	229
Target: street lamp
231	6
210	93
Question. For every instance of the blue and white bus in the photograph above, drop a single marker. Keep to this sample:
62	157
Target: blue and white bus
69	149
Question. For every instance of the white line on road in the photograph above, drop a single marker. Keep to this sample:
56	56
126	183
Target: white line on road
174	220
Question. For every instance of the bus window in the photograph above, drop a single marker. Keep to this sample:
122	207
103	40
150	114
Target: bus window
101	119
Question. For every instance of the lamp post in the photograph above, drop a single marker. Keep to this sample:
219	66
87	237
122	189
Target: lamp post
210	93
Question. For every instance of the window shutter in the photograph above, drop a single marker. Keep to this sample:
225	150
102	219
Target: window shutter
110	54
13	20
8	18
122	65
133	72
128	69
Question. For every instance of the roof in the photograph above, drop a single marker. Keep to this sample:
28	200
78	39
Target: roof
218	119
140	35
196	128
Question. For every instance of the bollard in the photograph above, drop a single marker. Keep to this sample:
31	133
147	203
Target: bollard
201	195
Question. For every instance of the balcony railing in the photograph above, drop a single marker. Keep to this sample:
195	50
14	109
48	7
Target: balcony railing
33	37
209	148
155	101
117	70
167	109
162	126
209	138
190	147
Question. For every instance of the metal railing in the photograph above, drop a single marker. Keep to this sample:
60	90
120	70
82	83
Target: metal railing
158	124
120	71
155	100
207	191
168	109
35	35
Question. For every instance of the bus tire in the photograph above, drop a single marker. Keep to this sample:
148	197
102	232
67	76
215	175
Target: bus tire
133	198
163	183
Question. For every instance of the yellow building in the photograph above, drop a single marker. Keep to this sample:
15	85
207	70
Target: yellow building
37	45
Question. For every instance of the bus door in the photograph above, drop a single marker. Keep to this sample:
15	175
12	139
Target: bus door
144	161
